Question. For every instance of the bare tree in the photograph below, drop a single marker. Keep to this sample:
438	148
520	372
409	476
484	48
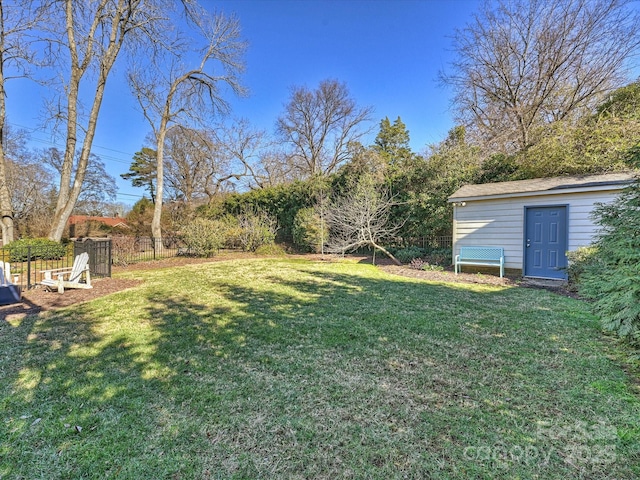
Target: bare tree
275	167
31	185
87	38
319	125
16	56
98	188
196	165
523	63
172	92
244	148
361	218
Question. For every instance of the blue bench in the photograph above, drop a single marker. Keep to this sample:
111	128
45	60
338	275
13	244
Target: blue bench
484	256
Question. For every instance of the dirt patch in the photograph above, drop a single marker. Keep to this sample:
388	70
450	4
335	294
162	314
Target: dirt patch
451	277
509	280
39	299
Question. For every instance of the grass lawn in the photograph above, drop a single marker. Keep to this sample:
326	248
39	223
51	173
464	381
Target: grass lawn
293	369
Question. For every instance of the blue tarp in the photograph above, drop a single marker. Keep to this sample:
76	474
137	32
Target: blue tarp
9	294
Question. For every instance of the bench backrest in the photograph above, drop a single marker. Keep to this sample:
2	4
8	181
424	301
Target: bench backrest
481	253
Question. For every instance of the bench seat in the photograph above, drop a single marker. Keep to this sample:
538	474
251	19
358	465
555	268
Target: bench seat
480	256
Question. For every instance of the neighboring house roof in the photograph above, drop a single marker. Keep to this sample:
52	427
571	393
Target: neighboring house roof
543	186
110	221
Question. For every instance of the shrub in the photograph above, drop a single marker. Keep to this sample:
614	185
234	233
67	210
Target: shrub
406	255
310	232
439	256
204	237
272	249
578	261
123	249
420	264
41	248
255	229
611	276
232	232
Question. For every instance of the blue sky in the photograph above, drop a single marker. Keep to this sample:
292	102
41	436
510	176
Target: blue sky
388	52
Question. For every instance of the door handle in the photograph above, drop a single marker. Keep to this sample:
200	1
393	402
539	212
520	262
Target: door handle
528	242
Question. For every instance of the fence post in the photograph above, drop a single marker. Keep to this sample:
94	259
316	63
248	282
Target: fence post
109	256
28	267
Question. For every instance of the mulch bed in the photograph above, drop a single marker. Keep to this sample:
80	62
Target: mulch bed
40	299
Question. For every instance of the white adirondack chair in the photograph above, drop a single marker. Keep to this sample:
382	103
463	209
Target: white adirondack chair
9	293
5	273
69	277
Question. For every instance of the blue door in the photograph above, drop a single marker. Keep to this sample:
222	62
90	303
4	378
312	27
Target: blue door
545	242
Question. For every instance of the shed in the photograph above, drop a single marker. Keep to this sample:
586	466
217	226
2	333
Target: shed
535	221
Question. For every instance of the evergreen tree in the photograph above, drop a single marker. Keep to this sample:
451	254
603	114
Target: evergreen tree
142	171
392	142
612	276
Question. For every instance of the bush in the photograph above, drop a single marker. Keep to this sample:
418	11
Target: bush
310	232
406	255
255	230
610	277
123	249
40	248
204	237
439	256
272	249
578	261
420	264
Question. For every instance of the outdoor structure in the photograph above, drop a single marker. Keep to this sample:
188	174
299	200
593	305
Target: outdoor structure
535	221
87	226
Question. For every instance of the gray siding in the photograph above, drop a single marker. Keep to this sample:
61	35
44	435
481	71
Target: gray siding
500	222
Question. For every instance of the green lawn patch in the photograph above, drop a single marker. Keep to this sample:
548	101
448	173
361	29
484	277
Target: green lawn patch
294	369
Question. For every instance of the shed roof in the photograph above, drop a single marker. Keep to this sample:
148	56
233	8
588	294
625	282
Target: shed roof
110	221
553	185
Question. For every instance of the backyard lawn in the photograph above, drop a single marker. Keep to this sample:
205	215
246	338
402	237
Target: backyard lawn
264	368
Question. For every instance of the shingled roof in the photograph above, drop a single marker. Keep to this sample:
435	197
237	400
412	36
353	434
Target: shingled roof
110	221
542	186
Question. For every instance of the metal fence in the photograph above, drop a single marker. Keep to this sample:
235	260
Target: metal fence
429	243
99	250
28	263
126	250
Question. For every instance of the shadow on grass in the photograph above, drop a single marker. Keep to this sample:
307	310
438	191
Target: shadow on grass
190	381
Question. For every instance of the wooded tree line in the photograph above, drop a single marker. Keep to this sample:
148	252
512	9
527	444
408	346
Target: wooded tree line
539	89
169	50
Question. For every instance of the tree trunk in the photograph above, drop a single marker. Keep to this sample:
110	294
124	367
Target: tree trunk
156	222
387	253
69	192
6	209
156	226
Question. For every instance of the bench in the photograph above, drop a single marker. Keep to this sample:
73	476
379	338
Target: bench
484	256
